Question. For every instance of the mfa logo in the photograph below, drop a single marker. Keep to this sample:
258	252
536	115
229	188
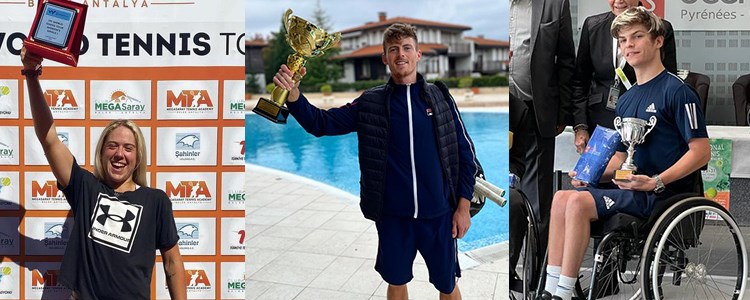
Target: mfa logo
120	102
49	278
61	100
187	146
6	151
189	234
188	190
46	192
189	101
116	223
197	280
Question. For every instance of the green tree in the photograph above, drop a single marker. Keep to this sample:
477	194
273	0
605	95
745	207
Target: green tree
276	53
322	69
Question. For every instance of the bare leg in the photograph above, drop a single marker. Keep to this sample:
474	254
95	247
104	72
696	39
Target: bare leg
557	227
397	292
580	211
455	295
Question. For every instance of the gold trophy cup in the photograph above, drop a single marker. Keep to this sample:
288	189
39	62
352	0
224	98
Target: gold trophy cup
307	40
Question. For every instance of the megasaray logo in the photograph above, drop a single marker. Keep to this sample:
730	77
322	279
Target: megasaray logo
6	151
115	222
120	102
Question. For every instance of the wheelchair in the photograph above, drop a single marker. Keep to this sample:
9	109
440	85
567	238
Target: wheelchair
690	248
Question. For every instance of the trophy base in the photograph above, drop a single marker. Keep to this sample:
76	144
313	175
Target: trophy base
623	174
269	110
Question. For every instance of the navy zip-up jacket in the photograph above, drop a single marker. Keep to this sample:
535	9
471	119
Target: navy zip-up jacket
415	184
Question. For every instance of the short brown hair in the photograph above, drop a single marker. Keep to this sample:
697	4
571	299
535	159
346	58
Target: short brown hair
397	32
638	16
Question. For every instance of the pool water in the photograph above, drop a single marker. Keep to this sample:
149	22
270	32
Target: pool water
333	160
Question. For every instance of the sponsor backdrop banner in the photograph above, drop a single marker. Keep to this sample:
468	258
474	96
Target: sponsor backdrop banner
176	68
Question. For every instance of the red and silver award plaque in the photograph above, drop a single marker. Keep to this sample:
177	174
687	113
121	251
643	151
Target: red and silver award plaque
57	31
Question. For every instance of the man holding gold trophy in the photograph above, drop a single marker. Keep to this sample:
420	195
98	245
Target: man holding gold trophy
660	121
416	159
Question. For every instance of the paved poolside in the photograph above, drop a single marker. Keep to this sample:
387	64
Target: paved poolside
308	240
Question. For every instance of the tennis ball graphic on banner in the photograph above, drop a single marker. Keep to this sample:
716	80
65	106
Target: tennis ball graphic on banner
4	90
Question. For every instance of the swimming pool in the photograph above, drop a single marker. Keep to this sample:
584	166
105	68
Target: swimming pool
333	160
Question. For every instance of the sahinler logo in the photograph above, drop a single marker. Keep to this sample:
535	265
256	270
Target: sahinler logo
61	100
189	101
187	145
55	235
189	234
6	151
64	137
197	280
121	102
116	223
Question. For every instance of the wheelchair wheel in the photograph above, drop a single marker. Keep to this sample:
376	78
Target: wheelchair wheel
529	268
694	251
612	272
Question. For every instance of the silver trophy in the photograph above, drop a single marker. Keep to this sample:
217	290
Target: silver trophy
633	131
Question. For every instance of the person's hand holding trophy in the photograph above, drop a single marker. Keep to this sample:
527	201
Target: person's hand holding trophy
57	31
307	40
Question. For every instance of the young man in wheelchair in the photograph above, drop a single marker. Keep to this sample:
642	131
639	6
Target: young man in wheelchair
676	147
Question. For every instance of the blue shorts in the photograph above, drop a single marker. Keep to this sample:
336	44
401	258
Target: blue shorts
399	238
612	201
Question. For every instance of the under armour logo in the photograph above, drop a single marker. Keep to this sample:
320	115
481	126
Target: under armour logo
608	202
129	216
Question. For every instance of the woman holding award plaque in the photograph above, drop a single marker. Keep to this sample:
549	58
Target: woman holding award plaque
596	86
676	147
119	222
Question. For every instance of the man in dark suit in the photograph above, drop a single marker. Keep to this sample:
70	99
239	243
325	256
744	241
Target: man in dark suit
595	71
542	63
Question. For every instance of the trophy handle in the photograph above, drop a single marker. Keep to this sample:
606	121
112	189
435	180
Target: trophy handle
286	18
651	124
618	124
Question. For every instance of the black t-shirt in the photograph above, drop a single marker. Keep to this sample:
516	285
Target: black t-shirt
112	247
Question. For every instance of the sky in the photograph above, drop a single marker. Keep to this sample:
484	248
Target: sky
487	17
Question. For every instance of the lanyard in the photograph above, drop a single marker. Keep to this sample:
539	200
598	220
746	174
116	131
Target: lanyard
619	74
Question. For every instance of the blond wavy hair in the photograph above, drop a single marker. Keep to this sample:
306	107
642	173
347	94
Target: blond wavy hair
139	173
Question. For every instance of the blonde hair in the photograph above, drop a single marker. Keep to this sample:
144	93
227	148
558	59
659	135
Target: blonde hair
397	32
638	16
139	174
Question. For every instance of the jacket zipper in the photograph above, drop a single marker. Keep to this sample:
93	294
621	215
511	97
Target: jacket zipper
411	149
